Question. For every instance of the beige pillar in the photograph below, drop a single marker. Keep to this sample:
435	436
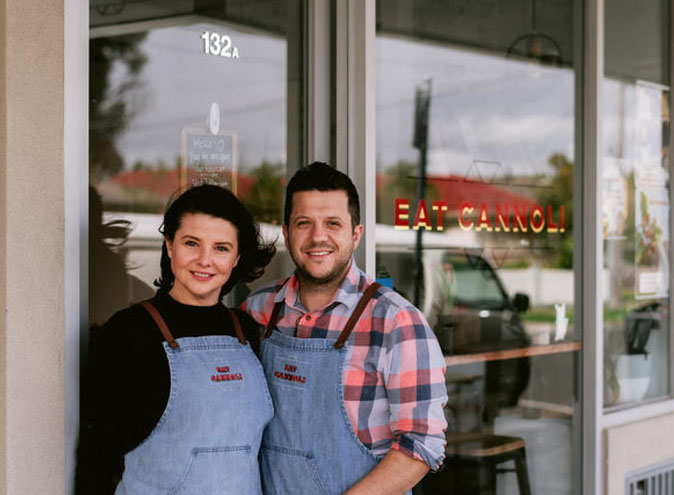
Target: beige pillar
3	258
32	349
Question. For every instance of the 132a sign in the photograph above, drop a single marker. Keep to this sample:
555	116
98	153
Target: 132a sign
219	45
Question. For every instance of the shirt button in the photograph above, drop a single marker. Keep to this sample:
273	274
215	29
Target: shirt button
308	317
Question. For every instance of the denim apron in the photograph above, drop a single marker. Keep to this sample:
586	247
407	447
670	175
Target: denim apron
208	438
310	448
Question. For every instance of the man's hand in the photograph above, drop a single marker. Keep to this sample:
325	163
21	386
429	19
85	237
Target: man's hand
396	474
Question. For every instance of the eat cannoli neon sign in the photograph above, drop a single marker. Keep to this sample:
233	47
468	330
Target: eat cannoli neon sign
503	218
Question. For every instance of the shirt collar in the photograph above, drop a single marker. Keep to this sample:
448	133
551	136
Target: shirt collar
347	293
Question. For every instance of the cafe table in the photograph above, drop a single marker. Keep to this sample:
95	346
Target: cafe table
492	352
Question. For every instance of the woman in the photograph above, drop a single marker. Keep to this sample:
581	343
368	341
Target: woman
179	399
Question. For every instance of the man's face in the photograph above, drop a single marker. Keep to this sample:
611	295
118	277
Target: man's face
319	235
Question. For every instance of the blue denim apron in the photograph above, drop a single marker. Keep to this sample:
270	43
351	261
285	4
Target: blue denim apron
310	448
207	440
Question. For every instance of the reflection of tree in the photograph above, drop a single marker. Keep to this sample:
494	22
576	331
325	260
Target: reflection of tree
560	193
628	247
264	199
108	107
400	181
649	236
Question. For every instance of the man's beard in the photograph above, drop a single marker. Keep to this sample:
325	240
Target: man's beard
336	274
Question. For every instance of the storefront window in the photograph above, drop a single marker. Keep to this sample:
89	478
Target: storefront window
185	93
476	128
635	195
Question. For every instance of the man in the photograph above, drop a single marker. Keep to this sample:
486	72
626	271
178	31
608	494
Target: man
356	374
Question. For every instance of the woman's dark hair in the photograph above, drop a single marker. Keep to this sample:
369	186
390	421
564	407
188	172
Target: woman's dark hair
217	202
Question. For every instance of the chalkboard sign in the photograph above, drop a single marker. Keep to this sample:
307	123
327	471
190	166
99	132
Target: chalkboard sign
208	158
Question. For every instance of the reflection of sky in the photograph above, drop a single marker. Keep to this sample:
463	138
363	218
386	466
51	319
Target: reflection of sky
483	108
618	122
632	124
180	82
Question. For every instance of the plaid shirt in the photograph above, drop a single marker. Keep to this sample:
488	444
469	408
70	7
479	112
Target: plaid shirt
394	383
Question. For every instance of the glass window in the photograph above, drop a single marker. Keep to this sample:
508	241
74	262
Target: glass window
635	197
476	128
185	93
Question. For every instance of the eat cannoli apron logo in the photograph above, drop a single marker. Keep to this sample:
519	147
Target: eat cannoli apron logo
225	374
290	373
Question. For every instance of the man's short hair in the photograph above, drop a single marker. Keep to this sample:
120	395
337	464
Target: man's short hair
320	176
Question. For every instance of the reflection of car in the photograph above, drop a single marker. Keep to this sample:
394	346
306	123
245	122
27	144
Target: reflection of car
482	316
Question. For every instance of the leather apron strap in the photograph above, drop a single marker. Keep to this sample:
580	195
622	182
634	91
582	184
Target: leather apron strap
360	307
237	327
355	316
168	336
273	320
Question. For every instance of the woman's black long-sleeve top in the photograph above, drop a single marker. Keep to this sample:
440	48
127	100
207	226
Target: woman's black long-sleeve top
126	382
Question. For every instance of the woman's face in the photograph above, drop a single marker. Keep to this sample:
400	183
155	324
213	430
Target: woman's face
203	253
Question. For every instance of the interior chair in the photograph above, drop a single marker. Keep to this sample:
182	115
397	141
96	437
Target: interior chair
473	462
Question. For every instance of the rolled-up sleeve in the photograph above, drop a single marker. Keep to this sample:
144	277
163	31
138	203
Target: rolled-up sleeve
415	384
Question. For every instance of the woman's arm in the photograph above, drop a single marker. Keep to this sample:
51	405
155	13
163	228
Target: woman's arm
125	385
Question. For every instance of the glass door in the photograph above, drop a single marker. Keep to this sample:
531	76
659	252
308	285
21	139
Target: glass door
636	205
185	92
476	133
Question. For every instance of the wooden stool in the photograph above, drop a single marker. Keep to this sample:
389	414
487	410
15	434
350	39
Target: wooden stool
484	452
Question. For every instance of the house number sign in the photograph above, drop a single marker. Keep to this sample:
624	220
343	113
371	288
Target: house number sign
219	45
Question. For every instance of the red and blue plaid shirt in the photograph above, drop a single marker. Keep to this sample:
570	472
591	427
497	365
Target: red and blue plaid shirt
394	379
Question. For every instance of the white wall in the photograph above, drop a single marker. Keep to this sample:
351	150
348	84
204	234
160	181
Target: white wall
545	286
635	446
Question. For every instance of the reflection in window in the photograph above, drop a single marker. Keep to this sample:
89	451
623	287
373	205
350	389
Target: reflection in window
475	141
636	240
635	203
176	101
476	282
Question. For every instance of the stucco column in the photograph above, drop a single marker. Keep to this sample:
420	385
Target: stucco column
32	349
